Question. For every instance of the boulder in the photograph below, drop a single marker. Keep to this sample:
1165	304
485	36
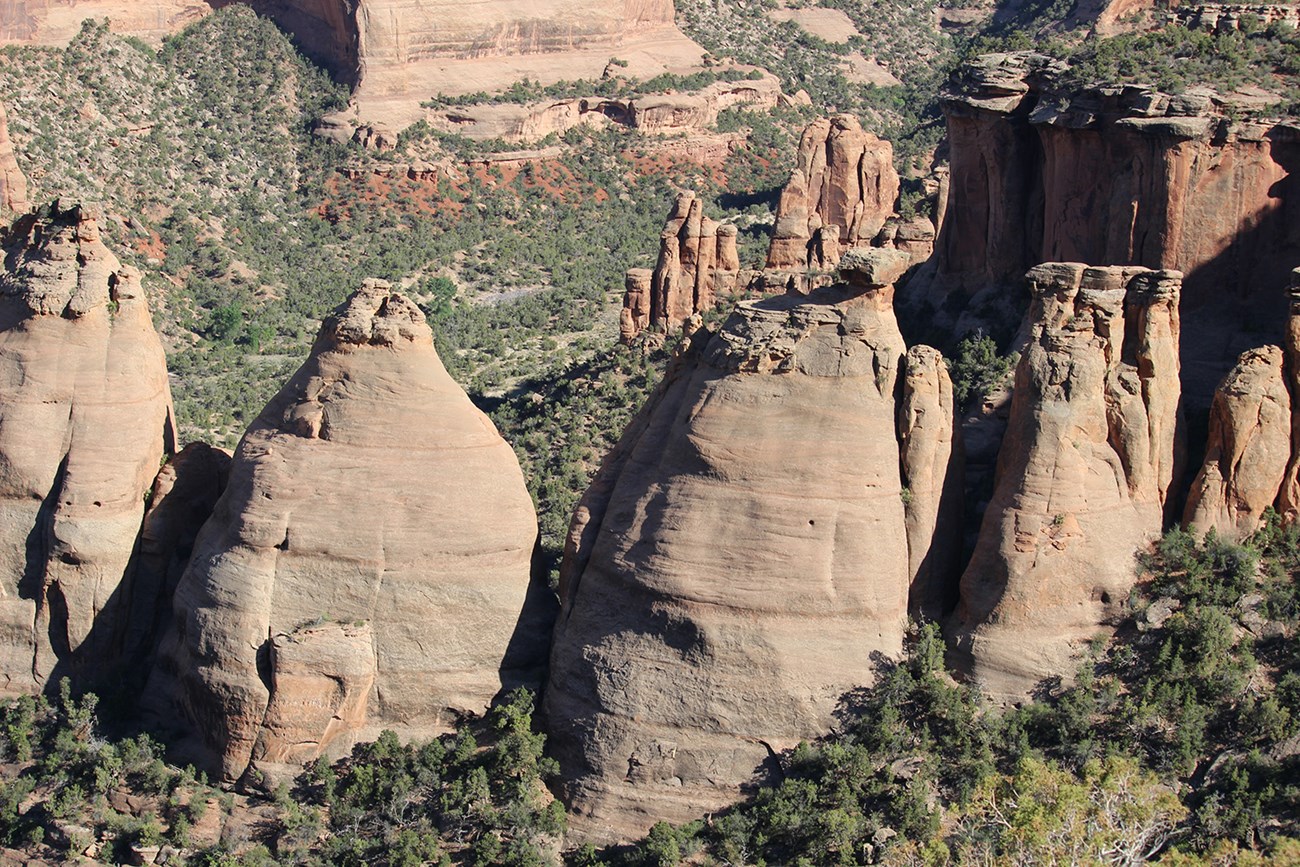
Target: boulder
85	421
372	494
1083	474
739	559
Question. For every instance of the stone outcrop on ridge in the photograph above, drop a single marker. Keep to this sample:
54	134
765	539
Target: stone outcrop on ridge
85	420
839	195
698	265
367	566
13	183
740	556
1084	474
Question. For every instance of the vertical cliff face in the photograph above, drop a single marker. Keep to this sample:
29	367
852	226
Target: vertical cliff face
740	556
368	564
839	195
1041	172
13	184
85	419
698	265
1083	475
55	22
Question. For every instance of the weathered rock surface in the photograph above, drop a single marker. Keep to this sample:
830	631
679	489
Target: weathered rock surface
698	264
55	22
839	195
1042	171
370	492
738	559
85	419
1249	448
931	460
184	494
1083	475
654	114
13	183
400	52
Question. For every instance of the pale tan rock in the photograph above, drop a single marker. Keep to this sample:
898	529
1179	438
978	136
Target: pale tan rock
738	559
370	489
85	420
932	464
1248	450
839	195
55	22
1082	474
322	675
13	183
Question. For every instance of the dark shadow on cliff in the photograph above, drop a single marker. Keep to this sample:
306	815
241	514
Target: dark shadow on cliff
528	652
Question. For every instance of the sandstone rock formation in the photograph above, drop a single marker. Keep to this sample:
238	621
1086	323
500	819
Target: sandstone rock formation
740	555
1083	476
13	184
368	564
655	114
55	22
400	52
184	494
85	419
1043	172
931	460
698	264
839	195
1252	458
1249	448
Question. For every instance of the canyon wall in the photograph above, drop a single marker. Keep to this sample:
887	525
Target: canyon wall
85	420
55	22
1043	171
740	557
1091	452
367	567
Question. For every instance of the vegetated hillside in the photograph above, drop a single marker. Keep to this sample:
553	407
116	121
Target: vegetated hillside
248	231
1179	742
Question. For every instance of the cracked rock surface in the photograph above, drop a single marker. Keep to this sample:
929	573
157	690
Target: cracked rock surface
367	566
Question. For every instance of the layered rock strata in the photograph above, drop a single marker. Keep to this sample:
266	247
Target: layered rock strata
1044	171
85	420
55	22
698	264
740	556
1089	457
839	195
368	564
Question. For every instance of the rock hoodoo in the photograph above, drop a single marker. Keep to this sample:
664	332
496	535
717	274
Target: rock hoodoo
698	264
85	420
839	195
1252	458
368	564
740	555
1089	456
13	183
